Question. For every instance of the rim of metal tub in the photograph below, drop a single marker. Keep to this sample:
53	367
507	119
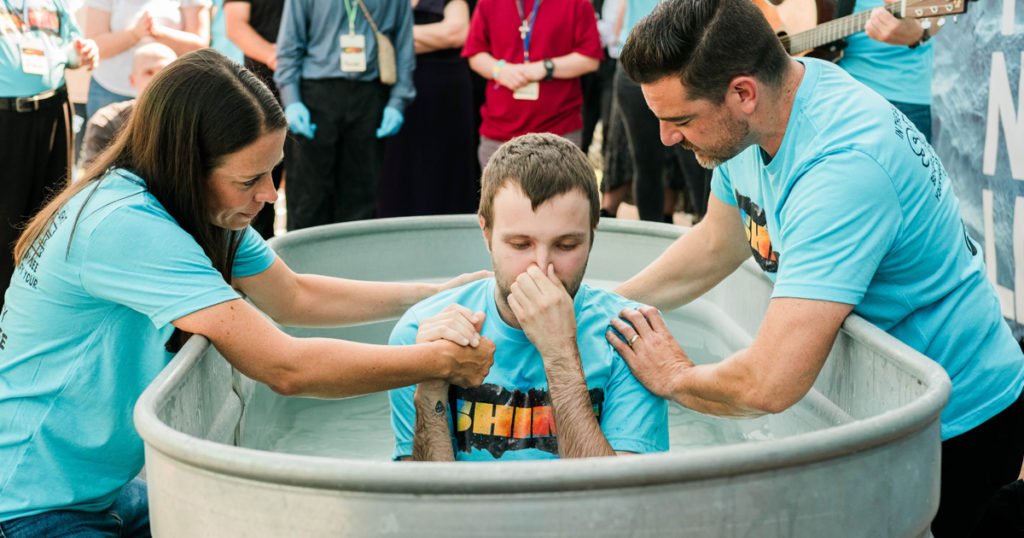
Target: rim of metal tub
539	476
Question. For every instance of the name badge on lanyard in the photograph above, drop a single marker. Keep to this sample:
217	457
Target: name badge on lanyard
353	53
531	91
353	45
33	55
30	44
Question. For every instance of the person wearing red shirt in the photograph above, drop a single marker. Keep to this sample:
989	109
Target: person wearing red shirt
533	52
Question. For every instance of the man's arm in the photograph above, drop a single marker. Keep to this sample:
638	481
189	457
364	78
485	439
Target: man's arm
568	66
292	41
545	311
774	373
885	27
432	440
694	263
403	92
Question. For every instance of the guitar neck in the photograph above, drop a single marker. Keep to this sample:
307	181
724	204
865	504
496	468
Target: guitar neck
831	31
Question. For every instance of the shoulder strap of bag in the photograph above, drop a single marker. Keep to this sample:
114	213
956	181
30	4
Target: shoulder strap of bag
368	17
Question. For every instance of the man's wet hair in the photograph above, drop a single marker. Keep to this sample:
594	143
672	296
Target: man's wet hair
543	166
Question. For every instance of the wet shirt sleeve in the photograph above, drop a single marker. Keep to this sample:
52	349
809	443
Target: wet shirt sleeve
633	419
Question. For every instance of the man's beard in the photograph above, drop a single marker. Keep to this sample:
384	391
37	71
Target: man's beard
736	141
504	285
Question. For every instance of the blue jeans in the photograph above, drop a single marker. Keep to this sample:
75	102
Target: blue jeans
919	115
100	97
127	518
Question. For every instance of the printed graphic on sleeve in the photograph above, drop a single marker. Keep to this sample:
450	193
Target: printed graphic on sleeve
756	225
492	418
920	147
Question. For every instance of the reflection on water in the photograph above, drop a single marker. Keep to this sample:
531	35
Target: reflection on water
360	427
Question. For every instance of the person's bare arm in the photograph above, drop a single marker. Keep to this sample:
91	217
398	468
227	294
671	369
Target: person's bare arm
195	32
885	27
569	66
545	311
694	263
304	300
241	33
110	43
432	438
774	373
432	434
325	367
449	33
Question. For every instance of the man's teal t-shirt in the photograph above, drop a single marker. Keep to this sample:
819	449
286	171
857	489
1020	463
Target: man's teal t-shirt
856	208
901	74
82	333
509	416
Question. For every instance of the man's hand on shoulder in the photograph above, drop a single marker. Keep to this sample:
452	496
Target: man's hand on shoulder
546	313
649	349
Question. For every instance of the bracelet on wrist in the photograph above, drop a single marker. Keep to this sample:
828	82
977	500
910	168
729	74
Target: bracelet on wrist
496	70
925	36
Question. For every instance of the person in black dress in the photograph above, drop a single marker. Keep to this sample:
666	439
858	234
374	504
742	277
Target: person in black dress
430	165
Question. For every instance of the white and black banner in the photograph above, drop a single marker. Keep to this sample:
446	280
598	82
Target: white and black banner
978	114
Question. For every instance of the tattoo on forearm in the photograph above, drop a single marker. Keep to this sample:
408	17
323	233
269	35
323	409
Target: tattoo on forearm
439	408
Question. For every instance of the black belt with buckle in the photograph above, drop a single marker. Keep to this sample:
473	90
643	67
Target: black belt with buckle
47	99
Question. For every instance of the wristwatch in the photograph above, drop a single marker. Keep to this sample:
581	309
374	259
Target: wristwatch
925	36
549	69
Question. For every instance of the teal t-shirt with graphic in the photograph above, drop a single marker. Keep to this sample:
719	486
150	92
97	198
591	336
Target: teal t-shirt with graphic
900	73
509	416
44	22
856	208
82	333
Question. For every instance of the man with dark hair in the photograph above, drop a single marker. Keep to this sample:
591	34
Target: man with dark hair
846	208
553	371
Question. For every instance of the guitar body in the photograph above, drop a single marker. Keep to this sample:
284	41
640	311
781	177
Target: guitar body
792	17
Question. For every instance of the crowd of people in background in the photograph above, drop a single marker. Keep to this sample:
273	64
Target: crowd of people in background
466	77
375	108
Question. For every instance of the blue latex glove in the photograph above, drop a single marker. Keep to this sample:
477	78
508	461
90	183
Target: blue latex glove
298	120
390	123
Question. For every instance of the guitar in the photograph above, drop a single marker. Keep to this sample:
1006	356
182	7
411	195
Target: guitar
818	35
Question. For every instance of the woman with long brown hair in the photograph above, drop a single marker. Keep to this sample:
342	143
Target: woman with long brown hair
152	244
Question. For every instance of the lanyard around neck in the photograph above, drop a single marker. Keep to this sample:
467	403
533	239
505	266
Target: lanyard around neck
526	28
351	7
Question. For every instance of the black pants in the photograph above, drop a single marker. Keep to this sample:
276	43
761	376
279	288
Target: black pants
649	156
597	92
36	152
975	465
333	177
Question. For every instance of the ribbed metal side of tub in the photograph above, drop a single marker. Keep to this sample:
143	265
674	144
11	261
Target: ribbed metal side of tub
875	476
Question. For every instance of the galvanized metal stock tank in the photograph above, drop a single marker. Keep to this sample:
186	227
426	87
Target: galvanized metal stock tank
874	473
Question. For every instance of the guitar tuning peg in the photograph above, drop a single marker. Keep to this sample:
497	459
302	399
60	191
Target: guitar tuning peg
942	21
926	24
